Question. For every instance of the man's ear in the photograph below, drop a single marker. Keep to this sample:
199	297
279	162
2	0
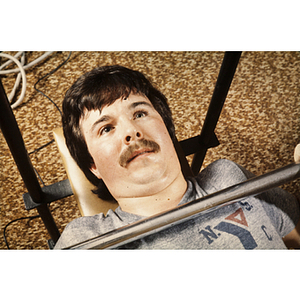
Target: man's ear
95	171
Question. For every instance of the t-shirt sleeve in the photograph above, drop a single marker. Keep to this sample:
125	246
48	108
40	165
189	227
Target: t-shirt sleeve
85	228
219	175
78	230
282	208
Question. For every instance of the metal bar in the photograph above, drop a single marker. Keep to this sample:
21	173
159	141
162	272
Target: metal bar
151	225
53	192
185	167
191	145
14	139
16	145
227	70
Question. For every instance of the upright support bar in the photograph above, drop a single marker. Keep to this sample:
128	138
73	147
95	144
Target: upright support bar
16	145
14	139
185	167
228	67
185	212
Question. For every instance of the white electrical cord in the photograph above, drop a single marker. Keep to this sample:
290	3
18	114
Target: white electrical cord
19	70
17	82
9	61
46	54
24	80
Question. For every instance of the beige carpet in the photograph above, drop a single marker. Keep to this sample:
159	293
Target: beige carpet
258	128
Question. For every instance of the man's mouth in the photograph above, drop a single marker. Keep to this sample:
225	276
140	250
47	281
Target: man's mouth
138	153
138	149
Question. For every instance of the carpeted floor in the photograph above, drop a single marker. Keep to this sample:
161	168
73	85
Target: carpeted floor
258	128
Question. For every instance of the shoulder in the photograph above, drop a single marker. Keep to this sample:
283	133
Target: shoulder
221	174
282	208
87	227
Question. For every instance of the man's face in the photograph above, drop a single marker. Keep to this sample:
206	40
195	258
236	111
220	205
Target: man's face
131	147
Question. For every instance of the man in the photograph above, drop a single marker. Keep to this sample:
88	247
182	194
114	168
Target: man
119	130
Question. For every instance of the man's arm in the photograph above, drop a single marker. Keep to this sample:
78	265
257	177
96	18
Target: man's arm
297	154
292	240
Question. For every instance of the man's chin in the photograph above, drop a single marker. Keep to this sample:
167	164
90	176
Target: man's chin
154	174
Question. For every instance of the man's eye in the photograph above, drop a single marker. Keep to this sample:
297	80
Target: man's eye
105	130
140	114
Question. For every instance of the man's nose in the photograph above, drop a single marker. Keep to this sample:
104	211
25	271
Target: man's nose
132	133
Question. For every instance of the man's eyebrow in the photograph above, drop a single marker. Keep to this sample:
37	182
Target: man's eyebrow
135	104
104	118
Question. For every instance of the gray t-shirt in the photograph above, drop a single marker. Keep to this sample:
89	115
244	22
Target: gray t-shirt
251	223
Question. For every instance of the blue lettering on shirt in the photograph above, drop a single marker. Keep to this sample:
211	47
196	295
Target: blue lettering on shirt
242	234
263	227
209	234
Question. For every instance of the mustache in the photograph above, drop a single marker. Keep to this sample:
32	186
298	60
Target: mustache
126	156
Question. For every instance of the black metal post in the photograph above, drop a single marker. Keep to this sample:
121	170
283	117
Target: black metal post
228	67
14	139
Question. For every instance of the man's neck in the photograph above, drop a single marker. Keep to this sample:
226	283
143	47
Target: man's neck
157	203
